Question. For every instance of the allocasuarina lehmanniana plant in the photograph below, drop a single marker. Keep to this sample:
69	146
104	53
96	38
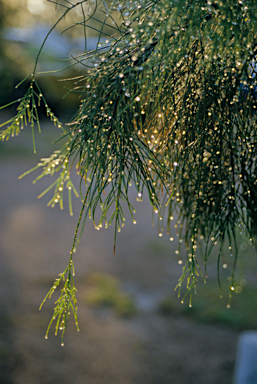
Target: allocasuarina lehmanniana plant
167	103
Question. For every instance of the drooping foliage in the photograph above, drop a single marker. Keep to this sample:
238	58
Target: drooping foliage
167	103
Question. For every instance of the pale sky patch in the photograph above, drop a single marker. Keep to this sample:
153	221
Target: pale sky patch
36	6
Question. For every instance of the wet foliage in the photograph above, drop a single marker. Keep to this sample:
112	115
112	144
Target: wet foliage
167	103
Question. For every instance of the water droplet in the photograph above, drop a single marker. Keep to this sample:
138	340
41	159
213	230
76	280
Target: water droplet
171	239
137	98
243	246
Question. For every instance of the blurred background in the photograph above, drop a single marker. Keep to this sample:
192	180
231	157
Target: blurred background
133	327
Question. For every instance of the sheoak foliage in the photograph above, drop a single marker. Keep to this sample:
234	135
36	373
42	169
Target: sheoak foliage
167	103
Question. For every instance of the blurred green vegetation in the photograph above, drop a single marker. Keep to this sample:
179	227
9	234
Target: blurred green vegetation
105	290
209	307
235	308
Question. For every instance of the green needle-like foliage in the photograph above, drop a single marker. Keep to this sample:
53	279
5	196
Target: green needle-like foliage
167	103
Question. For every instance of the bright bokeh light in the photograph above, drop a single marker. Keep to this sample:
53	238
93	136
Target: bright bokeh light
36	6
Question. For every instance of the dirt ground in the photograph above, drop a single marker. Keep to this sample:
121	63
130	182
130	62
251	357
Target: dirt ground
148	348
